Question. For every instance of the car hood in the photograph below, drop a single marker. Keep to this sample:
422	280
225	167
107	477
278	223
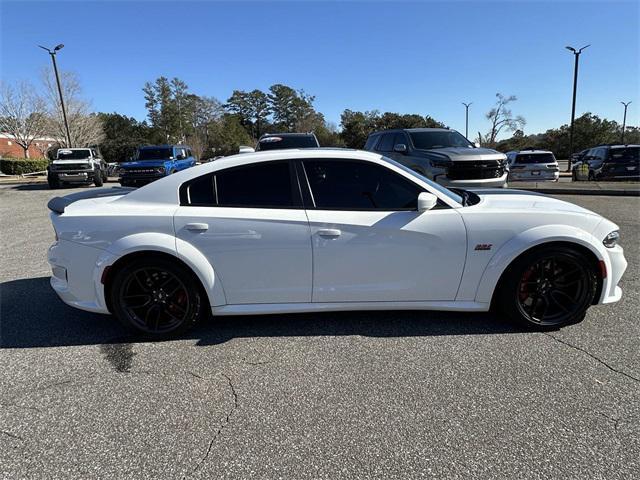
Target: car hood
467	154
145	164
525	201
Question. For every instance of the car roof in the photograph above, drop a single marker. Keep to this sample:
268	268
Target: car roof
532	151
287	134
391	130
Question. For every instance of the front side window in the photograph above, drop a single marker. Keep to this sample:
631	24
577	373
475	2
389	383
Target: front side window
261	185
371	141
386	144
353	185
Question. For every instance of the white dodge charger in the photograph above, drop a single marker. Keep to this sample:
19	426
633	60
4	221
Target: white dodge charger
326	229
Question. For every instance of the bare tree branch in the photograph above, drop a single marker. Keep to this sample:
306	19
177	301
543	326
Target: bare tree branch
22	114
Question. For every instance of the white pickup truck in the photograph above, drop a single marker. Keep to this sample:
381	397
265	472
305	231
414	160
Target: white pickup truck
78	166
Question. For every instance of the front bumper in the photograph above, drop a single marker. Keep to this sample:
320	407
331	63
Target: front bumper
611	292
497	182
138	180
73	176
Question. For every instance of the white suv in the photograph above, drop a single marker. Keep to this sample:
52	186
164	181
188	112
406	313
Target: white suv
533	166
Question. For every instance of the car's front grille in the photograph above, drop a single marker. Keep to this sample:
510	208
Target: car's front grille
139	171
71	166
475	170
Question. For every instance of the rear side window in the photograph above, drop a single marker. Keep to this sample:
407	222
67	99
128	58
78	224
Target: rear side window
527	158
386	144
294	141
628	154
262	185
351	185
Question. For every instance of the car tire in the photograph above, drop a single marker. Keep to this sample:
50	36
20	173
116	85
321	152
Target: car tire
592	177
97	178
157	297
547	288
53	181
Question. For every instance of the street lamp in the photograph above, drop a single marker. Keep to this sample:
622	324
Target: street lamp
466	123
624	121
55	69
576	54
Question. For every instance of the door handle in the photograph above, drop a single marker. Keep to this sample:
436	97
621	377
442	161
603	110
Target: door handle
329	232
197	227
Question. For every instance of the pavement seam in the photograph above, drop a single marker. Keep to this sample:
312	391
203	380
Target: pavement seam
226	421
597	359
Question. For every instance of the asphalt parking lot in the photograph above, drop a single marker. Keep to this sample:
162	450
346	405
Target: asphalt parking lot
348	395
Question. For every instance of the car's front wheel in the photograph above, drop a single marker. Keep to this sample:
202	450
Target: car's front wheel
548	288
157	297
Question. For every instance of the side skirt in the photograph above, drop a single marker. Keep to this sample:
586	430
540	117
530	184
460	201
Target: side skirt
268	308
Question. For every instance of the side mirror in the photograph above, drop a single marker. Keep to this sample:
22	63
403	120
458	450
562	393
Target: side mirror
400	148
180	157
426	201
476	144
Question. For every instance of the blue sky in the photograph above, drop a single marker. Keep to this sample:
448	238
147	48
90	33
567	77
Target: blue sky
411	57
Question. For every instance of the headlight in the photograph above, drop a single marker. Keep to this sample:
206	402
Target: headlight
611	240
160	169
441	163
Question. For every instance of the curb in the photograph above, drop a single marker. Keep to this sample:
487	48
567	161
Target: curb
585	191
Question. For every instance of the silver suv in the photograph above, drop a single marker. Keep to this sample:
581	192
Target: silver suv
532	165
443	155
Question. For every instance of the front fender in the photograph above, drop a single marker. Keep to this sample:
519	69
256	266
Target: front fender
161	242
529	239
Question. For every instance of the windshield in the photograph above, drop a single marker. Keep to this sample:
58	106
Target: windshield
155	154
74	154
445	191
297	141
439	139
535	158
625	154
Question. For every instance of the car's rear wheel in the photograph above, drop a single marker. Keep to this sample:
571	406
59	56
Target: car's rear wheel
157	297
548	288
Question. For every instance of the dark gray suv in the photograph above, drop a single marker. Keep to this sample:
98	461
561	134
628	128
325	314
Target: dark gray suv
442	155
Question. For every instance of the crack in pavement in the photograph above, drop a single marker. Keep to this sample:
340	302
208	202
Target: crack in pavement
236	405
616	421
9	434
597	359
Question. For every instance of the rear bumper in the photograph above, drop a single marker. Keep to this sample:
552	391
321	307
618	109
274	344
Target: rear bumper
497	182
73	269
529	177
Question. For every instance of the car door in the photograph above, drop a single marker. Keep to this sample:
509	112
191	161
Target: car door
370	244
249	223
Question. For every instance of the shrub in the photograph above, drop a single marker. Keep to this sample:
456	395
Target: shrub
19	166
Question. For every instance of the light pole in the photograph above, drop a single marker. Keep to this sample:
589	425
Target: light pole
55	70
466	122
576	54
624	120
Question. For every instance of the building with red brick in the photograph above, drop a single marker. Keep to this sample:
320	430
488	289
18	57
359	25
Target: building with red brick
9	147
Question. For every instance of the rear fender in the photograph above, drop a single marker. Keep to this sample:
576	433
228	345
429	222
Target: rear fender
160	242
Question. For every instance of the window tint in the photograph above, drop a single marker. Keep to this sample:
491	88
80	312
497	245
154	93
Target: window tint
535	158
371	142
287	141
627	154
386	144
201	191
259	185
349	185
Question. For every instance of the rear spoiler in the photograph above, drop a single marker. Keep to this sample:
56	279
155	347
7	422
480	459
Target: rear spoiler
58	204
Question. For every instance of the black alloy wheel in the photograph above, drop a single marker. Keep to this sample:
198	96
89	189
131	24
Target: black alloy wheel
549	288
157	297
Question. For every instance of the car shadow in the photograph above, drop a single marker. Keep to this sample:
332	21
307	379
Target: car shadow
45	186
31	315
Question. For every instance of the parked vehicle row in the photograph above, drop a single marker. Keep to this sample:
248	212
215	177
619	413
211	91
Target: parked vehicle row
153	162
608	162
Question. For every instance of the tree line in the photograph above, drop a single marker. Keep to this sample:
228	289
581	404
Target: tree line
213	128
